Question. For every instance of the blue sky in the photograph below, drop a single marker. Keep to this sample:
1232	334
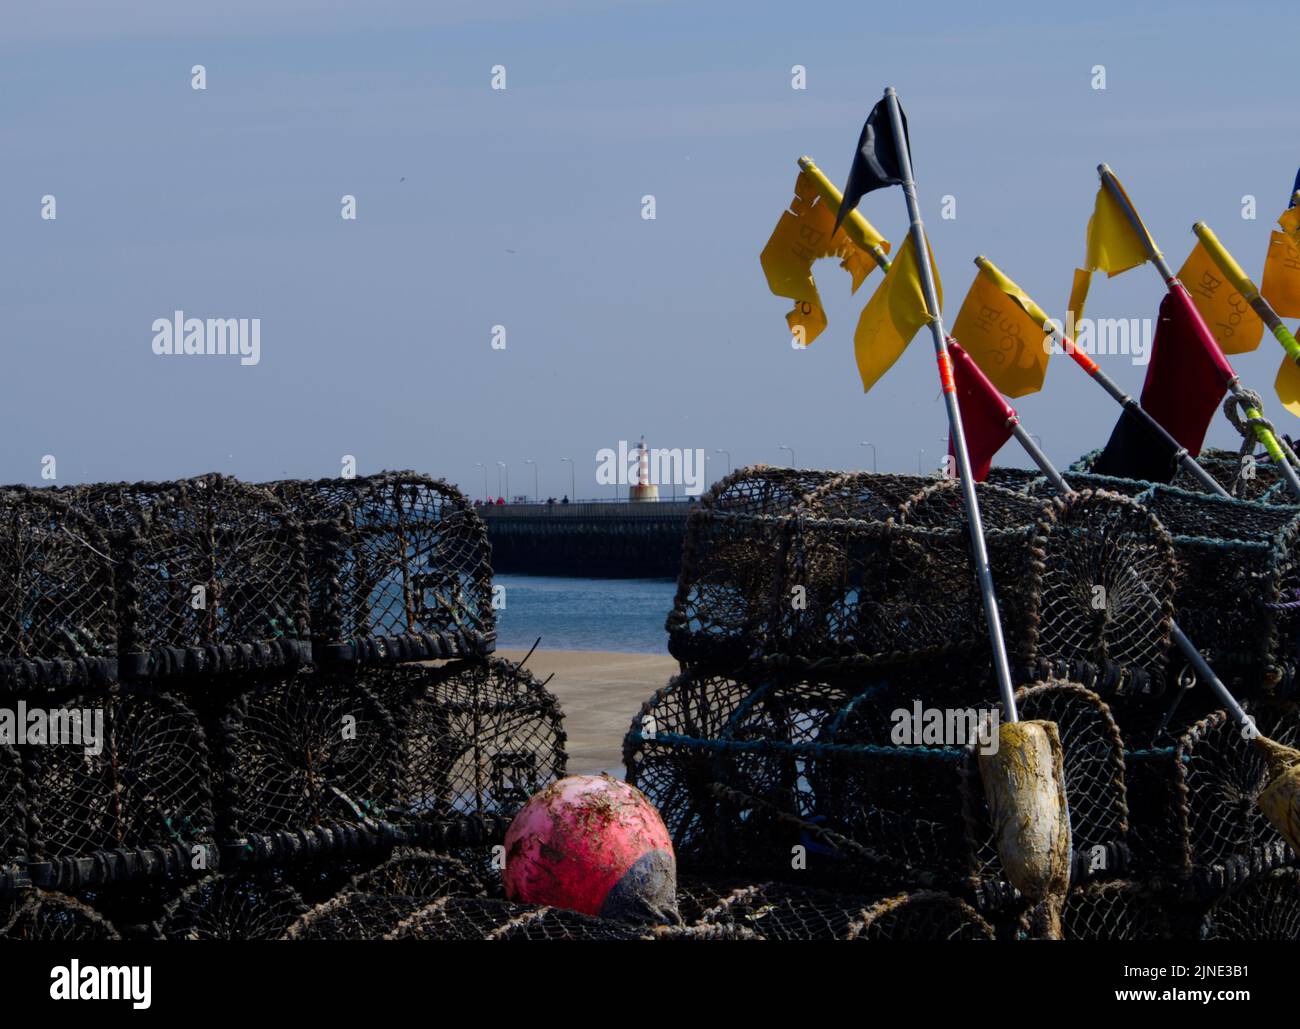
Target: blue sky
522	208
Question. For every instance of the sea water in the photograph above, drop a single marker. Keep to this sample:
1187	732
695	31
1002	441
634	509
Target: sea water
585	614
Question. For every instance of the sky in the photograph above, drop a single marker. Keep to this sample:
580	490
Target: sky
479	207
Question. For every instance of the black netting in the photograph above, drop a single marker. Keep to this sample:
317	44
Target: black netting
474	738
210	574
135	774
400	568
1106	584
306	750
58	918
744	769
256	906
1239	595
1265	908
1118	910
58	625
1193	801
14	812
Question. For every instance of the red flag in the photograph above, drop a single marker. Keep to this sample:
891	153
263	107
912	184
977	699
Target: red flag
1188	373
986	418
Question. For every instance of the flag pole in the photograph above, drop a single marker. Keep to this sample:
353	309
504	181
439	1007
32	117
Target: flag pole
983	572
1279	800
855	226
1254	417
1244	285
1127	402
1249	291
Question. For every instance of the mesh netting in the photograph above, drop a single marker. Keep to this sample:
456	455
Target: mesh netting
210	574
399	568
373	903
1239	595
13	807
798	755
1194	801
1106	584
57	620
1117	910
145	782
1253	477
1265	908
474	738
257	906
306	750
778	911
482	918
56	917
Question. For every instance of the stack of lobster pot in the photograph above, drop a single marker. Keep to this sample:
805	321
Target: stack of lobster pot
1193	777
234	698
832	637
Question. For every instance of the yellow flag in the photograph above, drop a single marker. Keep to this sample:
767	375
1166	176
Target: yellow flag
1290	222
1281	286
1114	245
1234	322
802	236
1079	293
892	316
995	328
1287	385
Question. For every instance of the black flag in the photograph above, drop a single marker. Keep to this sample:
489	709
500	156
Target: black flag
1136	451
875	162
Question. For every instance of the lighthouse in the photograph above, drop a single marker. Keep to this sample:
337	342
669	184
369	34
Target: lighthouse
643	491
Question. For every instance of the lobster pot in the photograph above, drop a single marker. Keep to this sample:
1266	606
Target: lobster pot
121	787
860	581
1193	801
1253	477
1238	598
210	576
1105	590
1124	909
13	812
781	911
446	754
312	753
475	740
742	770
728	592
58	622
1020	480
399	566
1264	907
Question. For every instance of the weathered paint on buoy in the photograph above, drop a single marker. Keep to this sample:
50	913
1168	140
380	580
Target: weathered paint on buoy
1025	788
1280	799
596	845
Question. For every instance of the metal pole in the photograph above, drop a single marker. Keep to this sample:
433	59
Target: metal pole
1060	339
573	480
1171	280
728	453
1189	651
980	551
791	449
864	443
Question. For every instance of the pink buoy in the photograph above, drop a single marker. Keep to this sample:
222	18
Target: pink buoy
596	845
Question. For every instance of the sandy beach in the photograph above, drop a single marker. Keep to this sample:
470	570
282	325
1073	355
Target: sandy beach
601	691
